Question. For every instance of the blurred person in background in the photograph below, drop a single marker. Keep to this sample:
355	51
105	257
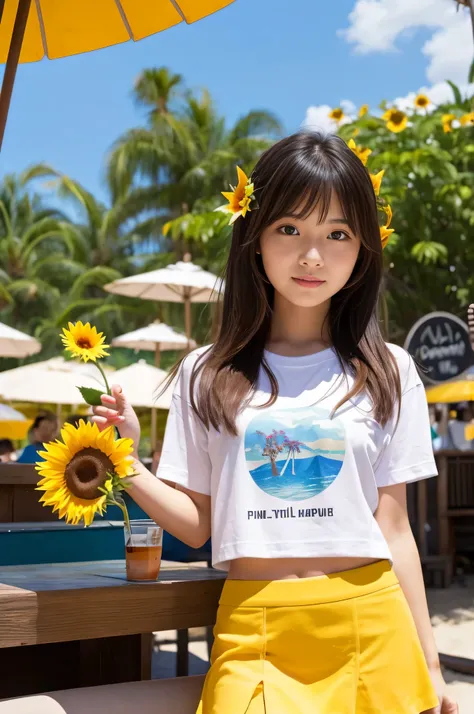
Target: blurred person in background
439	425
459	419
43	430
7	451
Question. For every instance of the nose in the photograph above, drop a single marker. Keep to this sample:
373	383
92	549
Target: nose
311	258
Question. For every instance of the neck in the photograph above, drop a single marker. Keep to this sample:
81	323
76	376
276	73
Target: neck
298	330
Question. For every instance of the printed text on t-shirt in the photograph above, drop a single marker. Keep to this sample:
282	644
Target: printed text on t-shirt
290	512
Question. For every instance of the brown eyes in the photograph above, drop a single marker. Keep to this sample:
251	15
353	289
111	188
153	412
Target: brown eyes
289	230
338	235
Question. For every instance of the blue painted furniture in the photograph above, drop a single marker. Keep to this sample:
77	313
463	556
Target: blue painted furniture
56	542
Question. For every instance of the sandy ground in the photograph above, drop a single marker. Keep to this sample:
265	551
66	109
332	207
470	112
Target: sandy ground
452	611
452	616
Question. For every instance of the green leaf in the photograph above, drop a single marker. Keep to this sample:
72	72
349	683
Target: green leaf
91	396
470	78
456	92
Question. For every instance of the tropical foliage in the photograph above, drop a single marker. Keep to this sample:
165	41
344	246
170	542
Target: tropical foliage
54	264
428	158
163	183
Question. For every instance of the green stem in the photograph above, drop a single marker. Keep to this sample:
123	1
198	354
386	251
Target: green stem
118	501
105	378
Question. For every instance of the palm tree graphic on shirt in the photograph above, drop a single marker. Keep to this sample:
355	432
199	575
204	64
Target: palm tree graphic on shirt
272	448
294	447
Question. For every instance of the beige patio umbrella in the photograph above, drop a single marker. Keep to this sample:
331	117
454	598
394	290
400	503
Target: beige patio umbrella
140	383
53	381
156	338
181	282
31	29
14	343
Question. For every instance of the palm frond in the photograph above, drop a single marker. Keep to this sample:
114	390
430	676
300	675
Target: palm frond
94	277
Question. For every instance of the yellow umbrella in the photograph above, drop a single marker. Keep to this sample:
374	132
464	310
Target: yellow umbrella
59	28
13	424
460	391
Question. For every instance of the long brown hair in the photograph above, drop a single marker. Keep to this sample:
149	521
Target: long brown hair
305	167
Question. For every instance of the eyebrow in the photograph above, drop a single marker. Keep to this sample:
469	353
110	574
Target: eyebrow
339	220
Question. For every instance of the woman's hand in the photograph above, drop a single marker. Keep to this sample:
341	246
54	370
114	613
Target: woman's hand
447	705
116	411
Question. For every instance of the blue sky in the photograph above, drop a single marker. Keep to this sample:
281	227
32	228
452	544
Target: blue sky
251	55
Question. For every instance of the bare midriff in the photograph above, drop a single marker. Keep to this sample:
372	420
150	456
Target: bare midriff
285	568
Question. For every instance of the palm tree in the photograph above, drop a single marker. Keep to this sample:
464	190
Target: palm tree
104	250
185	155
36	255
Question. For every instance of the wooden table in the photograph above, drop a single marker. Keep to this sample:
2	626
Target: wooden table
81	624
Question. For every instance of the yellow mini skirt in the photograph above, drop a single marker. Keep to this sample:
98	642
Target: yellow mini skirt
344	643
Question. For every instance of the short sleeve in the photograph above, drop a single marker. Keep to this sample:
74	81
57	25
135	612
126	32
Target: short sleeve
407	452
184	457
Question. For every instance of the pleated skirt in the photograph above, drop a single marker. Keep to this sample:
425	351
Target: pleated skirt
345	643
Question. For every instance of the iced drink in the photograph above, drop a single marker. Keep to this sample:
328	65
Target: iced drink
143	547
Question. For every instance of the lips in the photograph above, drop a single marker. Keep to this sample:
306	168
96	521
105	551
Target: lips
308	281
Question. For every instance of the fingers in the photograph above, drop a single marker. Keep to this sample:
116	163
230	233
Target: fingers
104	422
106	412
110	413
118	394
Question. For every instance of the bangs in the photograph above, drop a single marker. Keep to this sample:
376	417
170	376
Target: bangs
306	180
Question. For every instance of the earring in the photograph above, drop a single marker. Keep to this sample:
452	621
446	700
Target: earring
257	252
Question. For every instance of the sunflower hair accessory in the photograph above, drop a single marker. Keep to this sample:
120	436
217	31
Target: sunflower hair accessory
363	154
240	198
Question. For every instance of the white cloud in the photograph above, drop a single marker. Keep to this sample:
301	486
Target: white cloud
317	117
376	25
438	93
349	107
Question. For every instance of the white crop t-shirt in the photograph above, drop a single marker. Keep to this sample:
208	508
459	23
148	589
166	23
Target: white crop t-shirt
294	482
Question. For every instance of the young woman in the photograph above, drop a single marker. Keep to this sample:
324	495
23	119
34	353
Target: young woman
291	440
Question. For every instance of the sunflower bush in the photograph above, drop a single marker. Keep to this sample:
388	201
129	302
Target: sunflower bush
427	154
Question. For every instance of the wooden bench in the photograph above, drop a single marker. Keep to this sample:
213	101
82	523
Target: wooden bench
159	696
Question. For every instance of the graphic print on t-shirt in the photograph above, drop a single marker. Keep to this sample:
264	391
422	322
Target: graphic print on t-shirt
294	454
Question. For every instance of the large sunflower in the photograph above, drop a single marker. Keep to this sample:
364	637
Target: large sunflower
74	470
84	341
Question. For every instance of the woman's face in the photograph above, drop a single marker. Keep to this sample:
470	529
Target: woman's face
306	261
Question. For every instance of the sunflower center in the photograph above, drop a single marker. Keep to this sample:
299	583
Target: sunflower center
86	471
83	343
397	117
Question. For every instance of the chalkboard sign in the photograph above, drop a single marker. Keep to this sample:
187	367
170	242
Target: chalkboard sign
440	342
